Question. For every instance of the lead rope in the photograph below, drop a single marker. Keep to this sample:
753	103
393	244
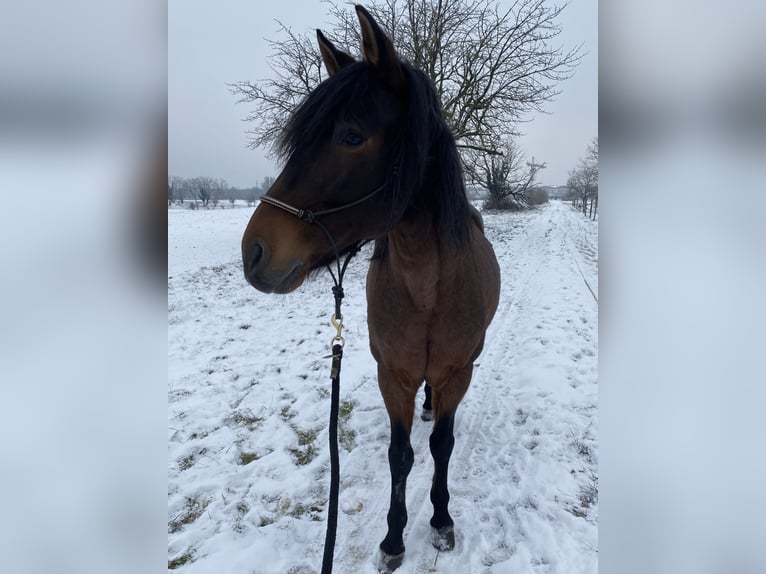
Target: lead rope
332	509
336	344
337	356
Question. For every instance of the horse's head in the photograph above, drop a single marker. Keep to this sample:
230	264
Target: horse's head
340	145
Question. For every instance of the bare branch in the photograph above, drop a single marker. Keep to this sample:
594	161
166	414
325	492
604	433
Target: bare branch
490	67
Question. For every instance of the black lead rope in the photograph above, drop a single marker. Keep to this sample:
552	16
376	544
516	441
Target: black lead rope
332	509
337	357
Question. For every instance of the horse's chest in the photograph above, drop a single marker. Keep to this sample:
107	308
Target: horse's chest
399	314
395	315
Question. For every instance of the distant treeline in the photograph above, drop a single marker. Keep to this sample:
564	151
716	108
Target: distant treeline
210	191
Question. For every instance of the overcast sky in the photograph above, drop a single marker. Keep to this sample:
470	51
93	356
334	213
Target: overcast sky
211	44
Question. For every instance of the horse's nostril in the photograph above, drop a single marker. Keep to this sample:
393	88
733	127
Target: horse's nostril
253	257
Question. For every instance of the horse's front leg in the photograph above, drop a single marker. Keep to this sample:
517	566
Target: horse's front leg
399	396
447	395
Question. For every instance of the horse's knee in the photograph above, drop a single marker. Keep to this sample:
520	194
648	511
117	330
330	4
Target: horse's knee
400	454
442	439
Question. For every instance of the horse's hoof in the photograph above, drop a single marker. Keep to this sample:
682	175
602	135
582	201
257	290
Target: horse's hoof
443	538
427	415
387	563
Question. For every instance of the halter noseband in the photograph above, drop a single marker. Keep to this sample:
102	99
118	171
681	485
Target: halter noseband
310	216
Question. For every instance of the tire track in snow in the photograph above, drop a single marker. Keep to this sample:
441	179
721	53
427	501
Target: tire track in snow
575	258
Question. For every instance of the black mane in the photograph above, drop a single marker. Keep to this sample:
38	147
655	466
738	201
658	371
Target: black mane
426	174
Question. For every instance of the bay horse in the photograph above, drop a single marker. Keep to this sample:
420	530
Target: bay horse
368	151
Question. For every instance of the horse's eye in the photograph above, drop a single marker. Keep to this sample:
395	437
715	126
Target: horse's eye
353	138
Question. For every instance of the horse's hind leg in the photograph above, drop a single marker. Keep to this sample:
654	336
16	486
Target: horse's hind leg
446	398
399	397
427	414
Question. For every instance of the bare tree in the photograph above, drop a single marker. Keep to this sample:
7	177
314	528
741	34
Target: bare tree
218	189
583	180
592	151
537	195
490	66
176	189
202	189
508	178
268	181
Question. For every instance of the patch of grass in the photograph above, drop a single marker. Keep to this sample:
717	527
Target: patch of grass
201	435
346	408
306	437
248	457
186	462
303	456
583	445
244	419
306	451
287	413
193	509
180	560
242	509
589	492
587	497
347	439
529	502
346	436
300	510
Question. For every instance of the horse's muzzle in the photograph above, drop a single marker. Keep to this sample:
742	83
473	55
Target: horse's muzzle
255	261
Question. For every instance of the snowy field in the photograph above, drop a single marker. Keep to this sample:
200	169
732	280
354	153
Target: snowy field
248	464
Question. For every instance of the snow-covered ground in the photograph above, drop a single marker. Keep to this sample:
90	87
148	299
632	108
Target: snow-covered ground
248	464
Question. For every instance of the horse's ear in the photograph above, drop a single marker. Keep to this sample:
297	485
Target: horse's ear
334	59
377	48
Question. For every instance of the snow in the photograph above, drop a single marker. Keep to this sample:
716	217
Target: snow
248	463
